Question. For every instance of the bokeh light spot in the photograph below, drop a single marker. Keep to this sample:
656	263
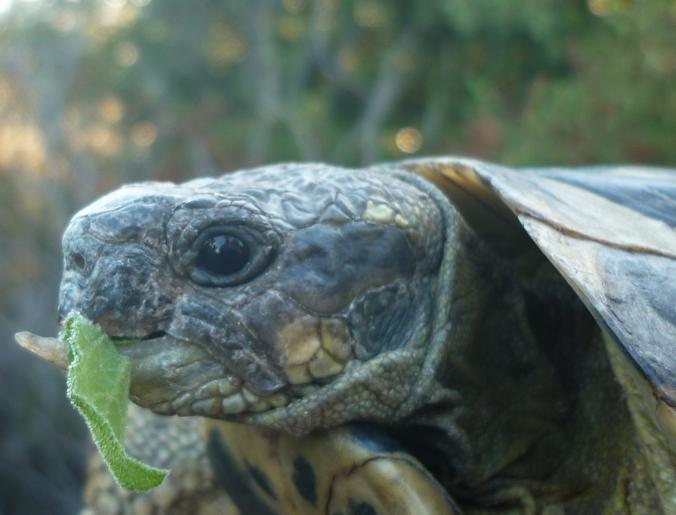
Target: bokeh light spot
5	6
126	54
225	45
599	7
144	134
408	140
111	110
104	141
290	28
22	146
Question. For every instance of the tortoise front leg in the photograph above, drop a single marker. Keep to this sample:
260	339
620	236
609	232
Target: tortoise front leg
386	484
351	470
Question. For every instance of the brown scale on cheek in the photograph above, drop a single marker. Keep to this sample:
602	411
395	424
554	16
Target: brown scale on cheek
312	348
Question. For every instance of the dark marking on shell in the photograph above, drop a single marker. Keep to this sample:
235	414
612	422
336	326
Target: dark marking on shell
361	508
261	480
304	479
235	481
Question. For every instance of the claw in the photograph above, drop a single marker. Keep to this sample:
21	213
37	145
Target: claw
50	349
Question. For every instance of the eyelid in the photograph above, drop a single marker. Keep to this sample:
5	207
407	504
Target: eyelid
188	225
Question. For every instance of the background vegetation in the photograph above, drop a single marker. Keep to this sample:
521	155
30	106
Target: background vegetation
96	93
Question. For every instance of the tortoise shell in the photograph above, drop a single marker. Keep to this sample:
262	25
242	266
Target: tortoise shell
611	233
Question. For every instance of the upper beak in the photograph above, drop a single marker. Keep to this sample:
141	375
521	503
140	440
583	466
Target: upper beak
50	349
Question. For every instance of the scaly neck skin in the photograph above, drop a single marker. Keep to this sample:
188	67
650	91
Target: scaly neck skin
542	421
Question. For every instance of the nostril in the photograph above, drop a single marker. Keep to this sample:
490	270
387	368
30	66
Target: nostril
78	261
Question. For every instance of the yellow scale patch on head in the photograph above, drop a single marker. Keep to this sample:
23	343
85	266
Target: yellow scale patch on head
336	339
379	213
401	221
313	349
298	341
323	365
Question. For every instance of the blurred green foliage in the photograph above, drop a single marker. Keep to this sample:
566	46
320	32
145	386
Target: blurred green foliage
96	93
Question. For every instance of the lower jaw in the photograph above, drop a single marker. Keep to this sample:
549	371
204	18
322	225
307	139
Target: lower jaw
297	409
230	399
228	404
208	390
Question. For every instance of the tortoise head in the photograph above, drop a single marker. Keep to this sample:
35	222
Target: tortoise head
294	296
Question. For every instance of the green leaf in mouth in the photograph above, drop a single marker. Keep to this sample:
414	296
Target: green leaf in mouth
98	387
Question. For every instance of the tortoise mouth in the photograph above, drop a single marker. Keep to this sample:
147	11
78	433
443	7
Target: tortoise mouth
172	376
230	398
127	339
152	336
225	397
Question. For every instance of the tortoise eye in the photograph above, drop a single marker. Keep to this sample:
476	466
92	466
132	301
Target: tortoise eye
222	254
225	256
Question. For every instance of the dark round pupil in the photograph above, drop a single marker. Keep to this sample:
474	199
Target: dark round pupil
222	255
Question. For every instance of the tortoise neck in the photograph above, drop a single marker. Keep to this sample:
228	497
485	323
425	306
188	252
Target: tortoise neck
528	362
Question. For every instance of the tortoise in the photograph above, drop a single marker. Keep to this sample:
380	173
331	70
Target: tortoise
437	336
